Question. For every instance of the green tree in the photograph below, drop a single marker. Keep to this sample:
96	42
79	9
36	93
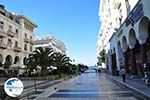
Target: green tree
102	56
31	63
82	67
61	61
41	57
74	68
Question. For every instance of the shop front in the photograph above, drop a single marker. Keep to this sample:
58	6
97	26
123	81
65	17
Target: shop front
133	41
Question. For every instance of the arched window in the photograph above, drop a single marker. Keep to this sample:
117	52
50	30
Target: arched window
1	25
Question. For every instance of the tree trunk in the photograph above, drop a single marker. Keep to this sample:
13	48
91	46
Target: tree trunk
43	71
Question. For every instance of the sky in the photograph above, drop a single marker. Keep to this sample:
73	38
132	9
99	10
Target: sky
74	22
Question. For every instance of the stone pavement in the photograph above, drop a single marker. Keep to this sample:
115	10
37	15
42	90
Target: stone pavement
136	84
89	86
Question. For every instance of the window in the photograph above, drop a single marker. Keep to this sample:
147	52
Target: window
31	37
25	35
1	39
120	16
16	30
119	6
16	43
10	16
10	28
127	6
25	47
17	33
9	43
2	12
28	27
17	20
30	48
1	25
120	20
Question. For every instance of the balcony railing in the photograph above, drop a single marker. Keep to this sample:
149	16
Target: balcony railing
116	4
10	33
26	40
2	33
18	49
31	42
3	45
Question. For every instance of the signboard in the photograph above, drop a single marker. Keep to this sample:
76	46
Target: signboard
135	15
119	33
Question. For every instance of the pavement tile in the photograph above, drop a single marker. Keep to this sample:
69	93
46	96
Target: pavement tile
88	87
136	85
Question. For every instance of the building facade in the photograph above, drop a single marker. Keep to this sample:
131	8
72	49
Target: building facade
50	42
16	37
129	43
133	39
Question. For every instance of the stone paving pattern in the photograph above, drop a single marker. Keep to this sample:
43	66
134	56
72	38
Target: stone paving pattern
136	84
89	86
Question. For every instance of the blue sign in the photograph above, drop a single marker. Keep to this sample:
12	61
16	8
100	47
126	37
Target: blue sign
135	15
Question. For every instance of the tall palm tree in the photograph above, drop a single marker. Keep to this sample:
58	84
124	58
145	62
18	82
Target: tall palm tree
60	61
42	57
31	63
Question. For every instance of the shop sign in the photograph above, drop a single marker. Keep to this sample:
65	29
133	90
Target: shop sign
135	15
119	33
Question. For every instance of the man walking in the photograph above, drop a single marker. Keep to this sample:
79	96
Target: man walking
123	74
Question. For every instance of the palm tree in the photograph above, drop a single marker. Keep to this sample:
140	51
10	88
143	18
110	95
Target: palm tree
60	61
31	63
42	57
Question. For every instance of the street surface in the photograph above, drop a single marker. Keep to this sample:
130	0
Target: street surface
89	86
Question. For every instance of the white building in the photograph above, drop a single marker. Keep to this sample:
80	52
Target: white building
16	37
50	42
129	45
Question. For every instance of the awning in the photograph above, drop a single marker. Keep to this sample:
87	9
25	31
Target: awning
17	66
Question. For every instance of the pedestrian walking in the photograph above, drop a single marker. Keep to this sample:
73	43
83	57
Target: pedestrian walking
123	74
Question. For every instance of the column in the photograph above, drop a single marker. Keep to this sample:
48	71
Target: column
133	62
112	65
126	62
143	56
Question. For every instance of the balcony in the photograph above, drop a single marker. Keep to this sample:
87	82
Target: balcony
10	33
26	40
3	45
31	42
2	33
116	3
17	49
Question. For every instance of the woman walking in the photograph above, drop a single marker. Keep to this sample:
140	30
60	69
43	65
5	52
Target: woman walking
123	74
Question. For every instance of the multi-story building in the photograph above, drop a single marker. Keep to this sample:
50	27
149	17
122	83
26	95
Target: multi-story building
106	30
16	37
102	18
50	42
128	45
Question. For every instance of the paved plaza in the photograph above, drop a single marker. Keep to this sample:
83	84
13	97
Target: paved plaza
89	86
